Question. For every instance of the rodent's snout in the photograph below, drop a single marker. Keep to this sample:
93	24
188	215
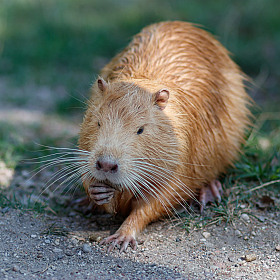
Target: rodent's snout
107	165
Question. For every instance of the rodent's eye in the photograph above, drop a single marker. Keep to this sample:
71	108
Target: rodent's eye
98	123
140	130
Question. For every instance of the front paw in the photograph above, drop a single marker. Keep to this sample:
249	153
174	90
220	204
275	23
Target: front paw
120	239
101	194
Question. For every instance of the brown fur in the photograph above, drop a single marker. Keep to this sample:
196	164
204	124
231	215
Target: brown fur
196	137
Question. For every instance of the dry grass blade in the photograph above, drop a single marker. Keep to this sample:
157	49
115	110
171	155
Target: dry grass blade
264	185
55	230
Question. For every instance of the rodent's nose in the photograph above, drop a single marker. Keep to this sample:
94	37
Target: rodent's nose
107	165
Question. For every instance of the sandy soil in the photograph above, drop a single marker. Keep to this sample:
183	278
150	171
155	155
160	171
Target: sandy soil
45	246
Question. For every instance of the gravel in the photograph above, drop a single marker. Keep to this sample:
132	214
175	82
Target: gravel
86	248
245	217
164	251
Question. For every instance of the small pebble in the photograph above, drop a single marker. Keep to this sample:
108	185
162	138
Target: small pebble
47	241
23	271
72	214
141	242
245	217
246	237
25	174
94	238
261	218
5	209
277	248
178	239
57	250
36	270
69	253
250	258
86	248
56	242
74	241
33	236
232	258
60	256
206	234
238	233
16	268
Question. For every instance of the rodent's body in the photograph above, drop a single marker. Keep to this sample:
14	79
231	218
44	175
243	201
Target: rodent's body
166	119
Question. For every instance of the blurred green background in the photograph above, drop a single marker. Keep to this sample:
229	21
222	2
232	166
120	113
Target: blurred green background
51	52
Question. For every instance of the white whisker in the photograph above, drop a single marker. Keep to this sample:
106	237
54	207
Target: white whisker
60	174
154	194
171	192
160	170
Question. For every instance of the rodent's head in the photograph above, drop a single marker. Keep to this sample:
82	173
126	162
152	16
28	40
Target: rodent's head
128	135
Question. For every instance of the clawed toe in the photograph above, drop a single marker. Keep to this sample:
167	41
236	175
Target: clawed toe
216	190
119	240
210	193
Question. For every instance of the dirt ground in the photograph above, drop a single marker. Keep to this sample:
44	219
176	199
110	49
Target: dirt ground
46	246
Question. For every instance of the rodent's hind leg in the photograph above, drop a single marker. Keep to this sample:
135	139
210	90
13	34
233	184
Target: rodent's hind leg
119	239
210	193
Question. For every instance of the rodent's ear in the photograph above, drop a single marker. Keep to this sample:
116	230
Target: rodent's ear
161	98
102	84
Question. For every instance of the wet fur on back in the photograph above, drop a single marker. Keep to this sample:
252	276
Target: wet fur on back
187	140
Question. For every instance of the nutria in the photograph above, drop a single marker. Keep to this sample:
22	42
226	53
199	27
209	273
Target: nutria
166	117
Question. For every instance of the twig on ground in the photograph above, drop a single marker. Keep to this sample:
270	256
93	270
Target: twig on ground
264	185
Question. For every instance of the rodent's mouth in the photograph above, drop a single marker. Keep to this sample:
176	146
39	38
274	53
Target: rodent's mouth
102	183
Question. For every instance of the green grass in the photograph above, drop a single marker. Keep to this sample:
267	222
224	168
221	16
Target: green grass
11	146
55	230
7	203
